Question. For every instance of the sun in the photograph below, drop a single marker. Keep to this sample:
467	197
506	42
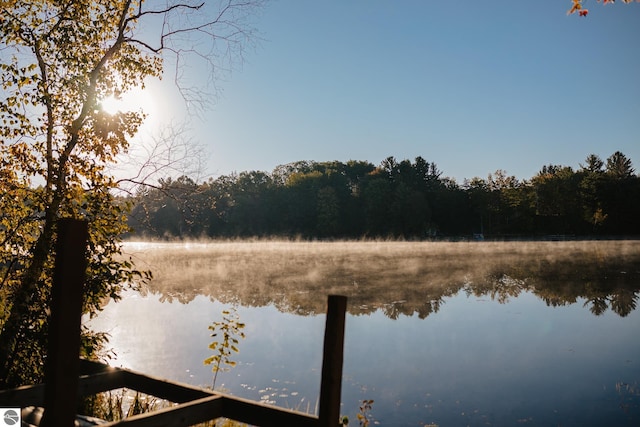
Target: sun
137	99
112	105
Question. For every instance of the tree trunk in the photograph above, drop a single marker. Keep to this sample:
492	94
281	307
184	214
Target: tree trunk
22	303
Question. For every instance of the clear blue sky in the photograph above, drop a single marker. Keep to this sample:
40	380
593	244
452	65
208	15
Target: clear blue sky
473	86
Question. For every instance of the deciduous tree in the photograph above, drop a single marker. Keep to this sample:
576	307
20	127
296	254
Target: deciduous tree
58	60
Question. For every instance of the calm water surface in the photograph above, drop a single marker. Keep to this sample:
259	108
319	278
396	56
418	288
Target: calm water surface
503	350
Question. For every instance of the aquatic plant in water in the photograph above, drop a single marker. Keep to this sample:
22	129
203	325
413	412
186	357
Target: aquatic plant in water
364	416
227	333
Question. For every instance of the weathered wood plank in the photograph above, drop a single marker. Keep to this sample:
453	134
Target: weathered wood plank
33	395
125	378
88	367
28	395
332	360
100	382
258	414
164	389
185	414
63	363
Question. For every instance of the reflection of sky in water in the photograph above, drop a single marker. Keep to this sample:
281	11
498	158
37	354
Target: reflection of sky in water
475	362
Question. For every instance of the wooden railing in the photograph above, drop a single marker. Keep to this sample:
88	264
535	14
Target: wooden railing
193	405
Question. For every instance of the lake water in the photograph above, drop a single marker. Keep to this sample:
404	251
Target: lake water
450	334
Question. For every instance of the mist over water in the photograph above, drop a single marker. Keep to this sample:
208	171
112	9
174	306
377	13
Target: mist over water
412	277
469	333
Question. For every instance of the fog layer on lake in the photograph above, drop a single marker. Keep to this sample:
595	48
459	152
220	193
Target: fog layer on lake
473	333
397	277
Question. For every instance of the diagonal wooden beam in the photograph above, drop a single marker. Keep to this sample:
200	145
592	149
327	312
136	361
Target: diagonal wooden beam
184	414
259	414
171	391
28	395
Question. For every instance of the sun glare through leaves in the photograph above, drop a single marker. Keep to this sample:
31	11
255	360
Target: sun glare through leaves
112	105
136	99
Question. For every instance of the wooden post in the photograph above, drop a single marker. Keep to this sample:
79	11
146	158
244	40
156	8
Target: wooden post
63	363
332	359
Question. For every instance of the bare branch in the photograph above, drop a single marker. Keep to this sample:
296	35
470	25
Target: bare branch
209	34
171	153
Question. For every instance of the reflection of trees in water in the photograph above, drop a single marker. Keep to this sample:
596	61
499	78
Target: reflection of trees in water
429	307
406	281
500	287
621	301
624	302
613	288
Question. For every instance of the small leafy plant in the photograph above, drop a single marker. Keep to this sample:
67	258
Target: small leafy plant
364	416
227	333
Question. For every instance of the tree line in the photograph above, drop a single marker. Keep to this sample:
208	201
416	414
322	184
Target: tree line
398	199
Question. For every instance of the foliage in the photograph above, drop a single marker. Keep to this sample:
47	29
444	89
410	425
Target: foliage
225	422
578	6
116	405
398	199
227	333
59	59
364	414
